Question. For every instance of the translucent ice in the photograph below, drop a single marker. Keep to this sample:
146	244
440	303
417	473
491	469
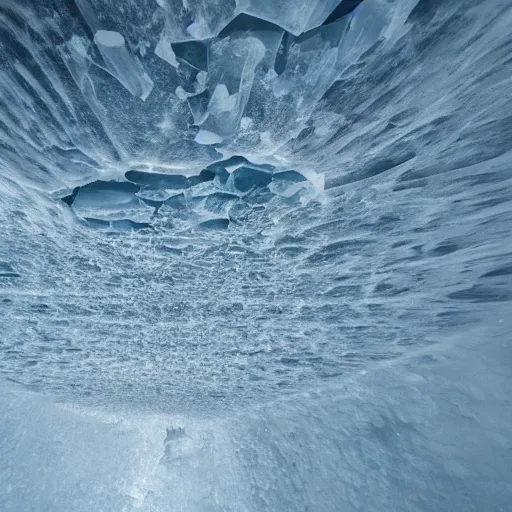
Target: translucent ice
125	67
200	19
111	201
295	17
164	51
287	183
207	137
205	200
232	66
107	38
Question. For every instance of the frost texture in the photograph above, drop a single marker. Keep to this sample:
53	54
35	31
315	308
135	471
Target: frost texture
255	255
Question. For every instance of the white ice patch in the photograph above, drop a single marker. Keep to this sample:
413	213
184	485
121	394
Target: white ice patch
164	51
207	137
202	78
79	45
122	64
246	123
198	29
109	38
222	101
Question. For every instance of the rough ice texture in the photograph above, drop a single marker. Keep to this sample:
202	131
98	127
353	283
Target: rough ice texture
257	259
212	199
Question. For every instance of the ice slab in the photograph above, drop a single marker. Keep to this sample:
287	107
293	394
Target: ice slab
243	53
207	137
111	201
109	38
122	64
245	179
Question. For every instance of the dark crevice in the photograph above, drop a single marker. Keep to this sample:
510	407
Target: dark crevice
194	53
70	199
282	53
344	7
246	23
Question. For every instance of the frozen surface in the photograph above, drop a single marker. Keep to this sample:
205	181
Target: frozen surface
255	255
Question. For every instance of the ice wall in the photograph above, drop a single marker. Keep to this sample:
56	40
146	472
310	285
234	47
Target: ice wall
173	85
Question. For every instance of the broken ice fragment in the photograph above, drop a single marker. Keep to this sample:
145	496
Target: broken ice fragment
246	178
111	200
109	38
295	17
164	51
287	183
214	224
221	100
122	64
206	137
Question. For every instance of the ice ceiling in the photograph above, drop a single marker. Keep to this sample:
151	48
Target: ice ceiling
213	202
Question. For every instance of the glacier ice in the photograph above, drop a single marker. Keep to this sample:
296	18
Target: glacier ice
207	137
207	200
255	255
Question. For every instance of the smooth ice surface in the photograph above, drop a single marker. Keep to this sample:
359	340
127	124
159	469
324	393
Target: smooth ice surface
109	38
255	255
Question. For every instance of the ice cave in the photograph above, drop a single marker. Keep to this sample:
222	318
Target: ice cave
255	255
